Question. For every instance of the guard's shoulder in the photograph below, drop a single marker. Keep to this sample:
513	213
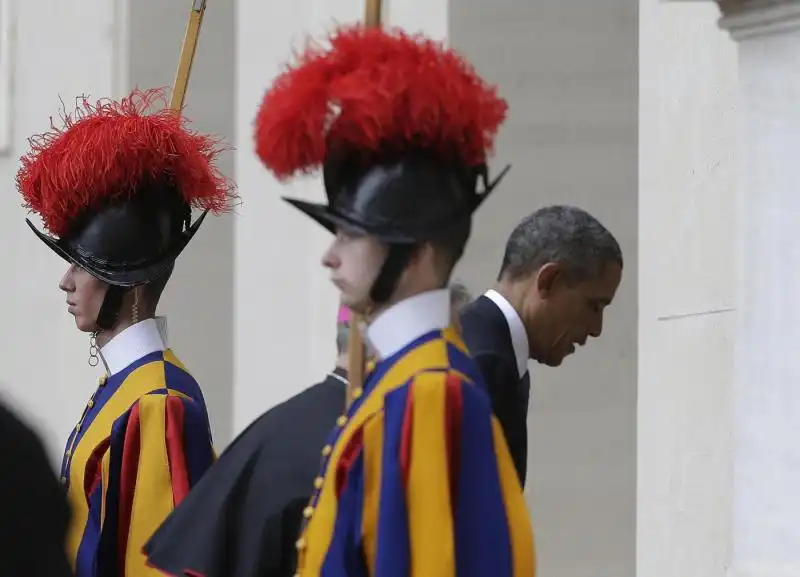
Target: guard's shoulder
435	382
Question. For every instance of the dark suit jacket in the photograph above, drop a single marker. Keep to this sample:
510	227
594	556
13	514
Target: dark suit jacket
243	518
33	507
486	333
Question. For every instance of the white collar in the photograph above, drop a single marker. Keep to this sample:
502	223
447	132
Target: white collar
135	342
408	320
339	378
519	337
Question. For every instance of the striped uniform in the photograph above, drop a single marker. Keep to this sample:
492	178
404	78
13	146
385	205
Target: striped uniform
142	442
417	480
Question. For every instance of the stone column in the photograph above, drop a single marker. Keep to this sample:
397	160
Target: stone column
766	408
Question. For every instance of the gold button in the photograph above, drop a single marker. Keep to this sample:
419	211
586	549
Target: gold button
308	511
341	421
78	427
63	480
318	482
301	544
102	380
326	450
68	454
90	404
358	392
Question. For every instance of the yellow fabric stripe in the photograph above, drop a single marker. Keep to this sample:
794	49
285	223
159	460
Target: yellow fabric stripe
104	482
170	357
139	383
175	393
523	551
373	454
431	355
152	497
430	514
452	336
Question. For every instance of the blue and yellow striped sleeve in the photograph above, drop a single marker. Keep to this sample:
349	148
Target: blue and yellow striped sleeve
158	450
439	489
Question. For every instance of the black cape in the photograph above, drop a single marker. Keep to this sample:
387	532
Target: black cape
33	507
243	518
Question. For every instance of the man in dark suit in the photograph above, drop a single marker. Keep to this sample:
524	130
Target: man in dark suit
561	269
243	518
33	508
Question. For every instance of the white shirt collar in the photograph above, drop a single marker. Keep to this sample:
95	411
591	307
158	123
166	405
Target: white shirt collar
135	342
519	337
407	320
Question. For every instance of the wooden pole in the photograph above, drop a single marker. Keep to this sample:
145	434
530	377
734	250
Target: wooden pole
187	54
356	354
372	13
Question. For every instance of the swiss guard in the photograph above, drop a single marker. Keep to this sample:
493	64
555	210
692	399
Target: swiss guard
115	188
415	479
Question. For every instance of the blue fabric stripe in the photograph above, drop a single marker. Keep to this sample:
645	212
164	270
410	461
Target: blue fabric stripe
196	440
343	558
465	364
89	549
483	543
107	546
393	551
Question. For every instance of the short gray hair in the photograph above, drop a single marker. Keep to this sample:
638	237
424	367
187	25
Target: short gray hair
342	338
459	295
566	235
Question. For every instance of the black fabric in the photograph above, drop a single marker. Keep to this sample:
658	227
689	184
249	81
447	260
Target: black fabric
131	242
33	509
243	518
487	336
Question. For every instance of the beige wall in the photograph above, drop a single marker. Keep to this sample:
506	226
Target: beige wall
199	298
687	247
569	71
44	369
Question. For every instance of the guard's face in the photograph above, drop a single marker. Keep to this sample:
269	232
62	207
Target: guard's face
569	313
354	261
85	295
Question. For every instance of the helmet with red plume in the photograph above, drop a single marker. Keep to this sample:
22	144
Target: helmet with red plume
401	128
115	187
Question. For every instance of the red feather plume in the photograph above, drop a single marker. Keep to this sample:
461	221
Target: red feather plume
373	89
104	151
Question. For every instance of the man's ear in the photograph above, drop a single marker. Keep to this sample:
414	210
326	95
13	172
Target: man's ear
548	278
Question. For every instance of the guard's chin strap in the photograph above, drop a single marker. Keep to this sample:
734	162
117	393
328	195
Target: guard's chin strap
109	311
396	262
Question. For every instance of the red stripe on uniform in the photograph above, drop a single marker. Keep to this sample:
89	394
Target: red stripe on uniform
175	454
94	469
127	484
453	403
346	460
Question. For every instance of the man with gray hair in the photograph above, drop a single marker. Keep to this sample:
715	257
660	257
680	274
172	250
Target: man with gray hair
460	297
561	269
